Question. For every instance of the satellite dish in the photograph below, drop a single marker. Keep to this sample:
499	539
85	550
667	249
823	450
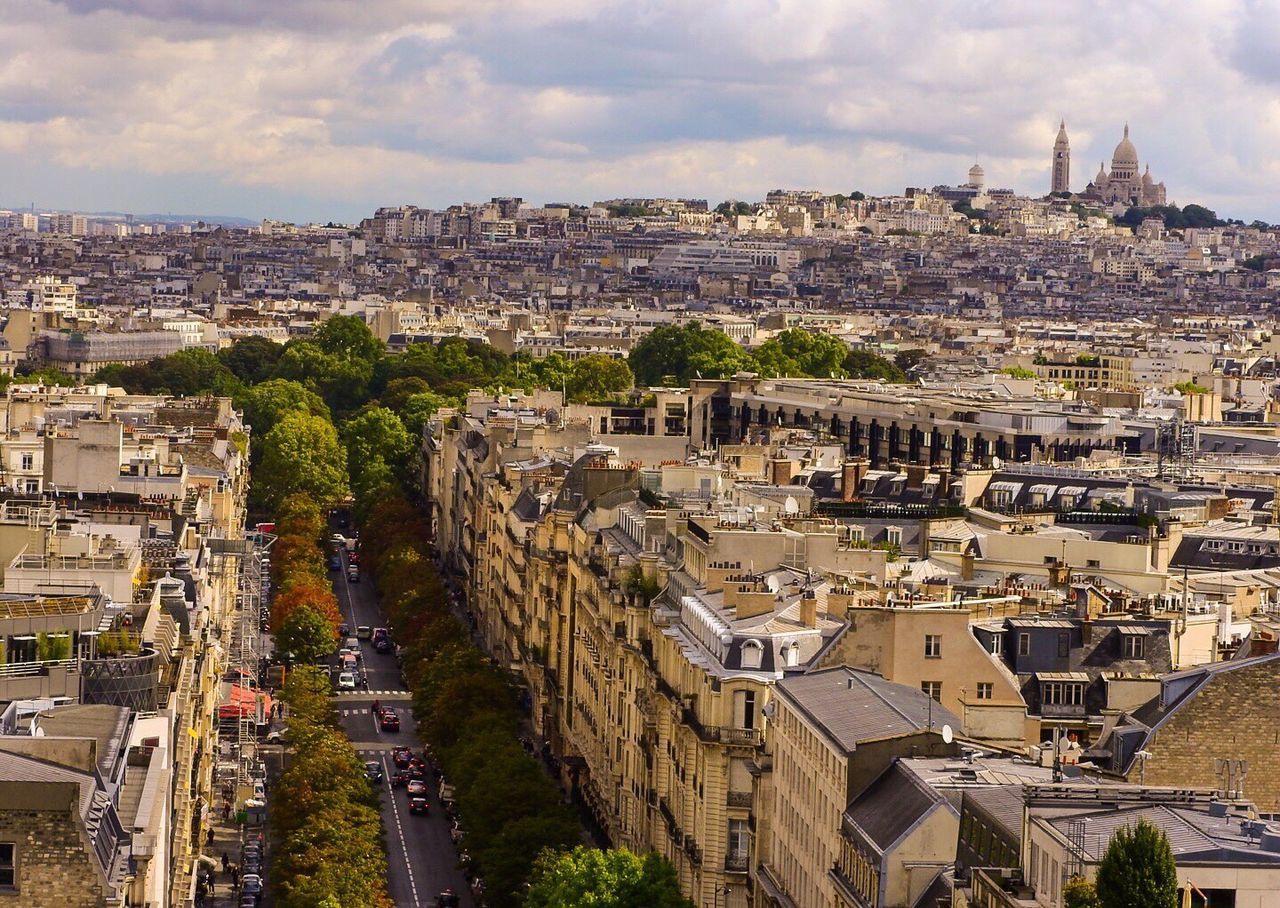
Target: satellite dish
947	734
996	463
791	506
773	584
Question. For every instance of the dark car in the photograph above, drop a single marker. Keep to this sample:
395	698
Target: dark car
448	899
382	646
389	721
418	805
400	779
373	772
344	631
335	563
402	757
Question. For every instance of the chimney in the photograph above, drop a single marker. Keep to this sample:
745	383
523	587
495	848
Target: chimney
966	566
915	475
809	609
783	470
851	477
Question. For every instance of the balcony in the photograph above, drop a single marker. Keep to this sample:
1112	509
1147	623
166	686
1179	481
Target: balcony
741	737
737	862
739	799
1063	710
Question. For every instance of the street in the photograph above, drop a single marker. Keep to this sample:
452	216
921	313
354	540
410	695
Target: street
421	857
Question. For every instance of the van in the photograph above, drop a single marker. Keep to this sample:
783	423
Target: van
349	664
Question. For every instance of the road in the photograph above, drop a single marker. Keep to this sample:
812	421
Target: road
420	854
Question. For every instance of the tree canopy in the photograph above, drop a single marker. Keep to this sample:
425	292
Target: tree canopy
865	364
800	353
604	879
251	359
302	454
1137	870
681	352
266	404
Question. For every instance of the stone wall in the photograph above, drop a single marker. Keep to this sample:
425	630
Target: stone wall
1235	716
55	866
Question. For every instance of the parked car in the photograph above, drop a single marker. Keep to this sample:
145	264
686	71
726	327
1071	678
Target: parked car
418	805
389	721
250	884
364	632
373	772
346	681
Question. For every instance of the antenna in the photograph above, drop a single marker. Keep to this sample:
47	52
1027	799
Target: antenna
947	734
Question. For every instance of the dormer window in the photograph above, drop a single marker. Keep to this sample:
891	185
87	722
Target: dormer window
792	653
752	654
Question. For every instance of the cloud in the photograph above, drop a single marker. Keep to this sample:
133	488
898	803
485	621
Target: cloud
335	107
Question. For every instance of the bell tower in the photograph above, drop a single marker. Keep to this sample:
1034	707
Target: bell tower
1061	161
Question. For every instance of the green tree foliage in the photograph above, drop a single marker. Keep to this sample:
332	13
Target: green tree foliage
1137	870
306	636
450	368
26	373
864	364
302	454
376	433
251	359
1079	893
604	879
1174	218
266	404
597	376
395	396
681	352
731	208
1017	372
1255	263
298	515
348	337
342	382
906	360
800	353
419	408
186	373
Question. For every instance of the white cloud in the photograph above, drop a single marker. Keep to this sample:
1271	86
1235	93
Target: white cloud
355	105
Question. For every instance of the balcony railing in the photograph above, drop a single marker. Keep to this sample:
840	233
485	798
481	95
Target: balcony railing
737	861
739	799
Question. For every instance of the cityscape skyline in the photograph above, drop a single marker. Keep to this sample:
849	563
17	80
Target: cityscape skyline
318	117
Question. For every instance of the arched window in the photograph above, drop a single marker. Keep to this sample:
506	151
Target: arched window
793	654
752	654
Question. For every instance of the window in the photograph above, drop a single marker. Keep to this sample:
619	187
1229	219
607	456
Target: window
33	486
933	689
997	645
739	838
744	708
752	654
893	536
28	461
8	865
986	690
1093	563
793	655
1024	644
1132	646
933	646
1064	644
1061	693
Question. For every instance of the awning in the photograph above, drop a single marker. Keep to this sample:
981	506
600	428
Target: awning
1071	491
1063	676
1042	489
1135	630
1011	487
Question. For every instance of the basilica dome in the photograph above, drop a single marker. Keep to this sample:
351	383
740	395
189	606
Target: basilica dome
1125	157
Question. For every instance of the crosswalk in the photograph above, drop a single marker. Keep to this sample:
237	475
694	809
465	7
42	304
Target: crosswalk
375	694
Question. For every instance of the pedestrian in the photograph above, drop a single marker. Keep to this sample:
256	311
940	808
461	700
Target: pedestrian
226	811
226	862
209	835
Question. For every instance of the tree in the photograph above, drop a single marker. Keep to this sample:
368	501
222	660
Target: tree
906	360
1137	870
801	353
418	409
864	364
299	515
1079	893
376	432
604	879
1017	372
266	404
343	382
597	376
395	396
306	636
305	592
302	454
348	337
681	352
251	359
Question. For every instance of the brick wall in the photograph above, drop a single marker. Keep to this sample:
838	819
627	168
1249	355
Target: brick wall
1236	715
55	868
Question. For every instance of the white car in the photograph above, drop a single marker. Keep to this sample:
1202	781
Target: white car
346	681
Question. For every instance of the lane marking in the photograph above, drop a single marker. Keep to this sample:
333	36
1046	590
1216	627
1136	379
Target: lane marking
395	813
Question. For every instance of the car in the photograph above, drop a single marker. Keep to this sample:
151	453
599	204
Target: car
335	563
417	788
276	735
401	756
373	772
419	805
400	779
380	633
250	884
344	630
352	645
389	721
353	575
353	557
346	681
338	539
364	632
383	646
448	899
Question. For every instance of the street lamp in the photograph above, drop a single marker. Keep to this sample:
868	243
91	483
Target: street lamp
722	890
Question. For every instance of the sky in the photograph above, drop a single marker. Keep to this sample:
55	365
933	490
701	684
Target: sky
325	109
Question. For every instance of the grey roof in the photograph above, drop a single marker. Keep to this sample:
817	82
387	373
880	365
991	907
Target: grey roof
16	768
1193	834
108	725
888	807
853	706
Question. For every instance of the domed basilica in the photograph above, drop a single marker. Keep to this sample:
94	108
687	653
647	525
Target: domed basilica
1123	185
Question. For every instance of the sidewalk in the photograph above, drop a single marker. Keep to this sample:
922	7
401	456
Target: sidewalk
227	839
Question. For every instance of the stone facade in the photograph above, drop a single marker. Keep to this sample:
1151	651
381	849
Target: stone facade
55	866
1234	716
